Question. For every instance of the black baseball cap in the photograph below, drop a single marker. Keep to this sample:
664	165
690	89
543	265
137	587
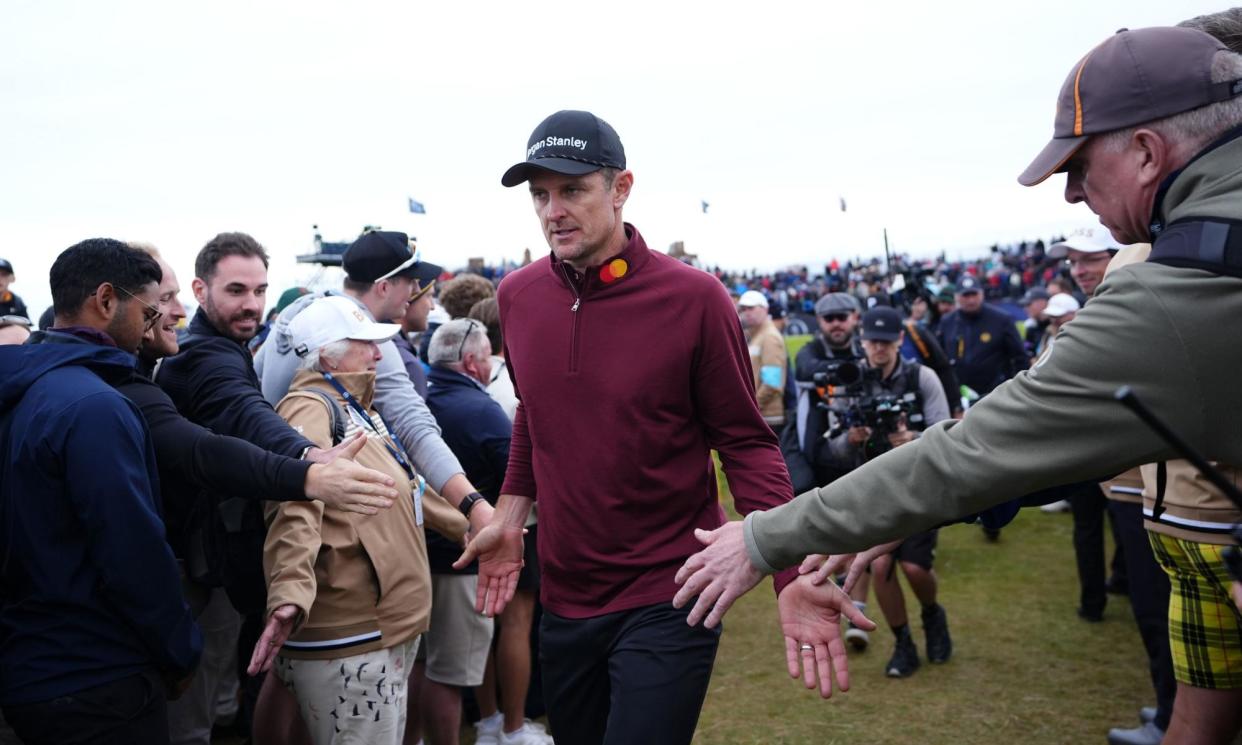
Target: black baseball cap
881	323
5	266
967	285
383	254
569	142
1131	78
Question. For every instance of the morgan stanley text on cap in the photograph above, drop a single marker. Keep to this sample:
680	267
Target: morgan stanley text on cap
569	142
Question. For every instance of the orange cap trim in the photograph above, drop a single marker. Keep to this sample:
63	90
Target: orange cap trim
1078	96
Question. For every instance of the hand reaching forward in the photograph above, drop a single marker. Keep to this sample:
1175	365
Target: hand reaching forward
337	481
719	574
810	619
275	633
499	551
823	568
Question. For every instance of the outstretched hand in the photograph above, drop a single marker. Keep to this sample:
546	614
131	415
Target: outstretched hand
275	633
810	620
499	551
719	574
823	568
337	481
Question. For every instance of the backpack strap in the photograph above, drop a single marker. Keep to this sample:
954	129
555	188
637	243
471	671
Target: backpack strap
336	417
1212	244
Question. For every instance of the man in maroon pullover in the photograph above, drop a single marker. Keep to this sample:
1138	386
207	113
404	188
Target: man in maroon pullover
630	367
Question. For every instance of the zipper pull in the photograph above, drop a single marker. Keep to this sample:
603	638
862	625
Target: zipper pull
577	302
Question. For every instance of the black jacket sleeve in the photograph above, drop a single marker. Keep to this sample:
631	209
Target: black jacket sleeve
227	399
187	453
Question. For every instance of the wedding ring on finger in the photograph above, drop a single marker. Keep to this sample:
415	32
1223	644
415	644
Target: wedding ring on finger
807	648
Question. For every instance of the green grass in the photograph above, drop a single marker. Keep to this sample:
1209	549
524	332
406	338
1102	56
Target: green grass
1025	668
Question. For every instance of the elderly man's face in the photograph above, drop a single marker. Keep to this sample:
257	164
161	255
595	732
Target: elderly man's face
1108	182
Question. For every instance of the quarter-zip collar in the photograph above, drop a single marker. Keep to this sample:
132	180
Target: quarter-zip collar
634	254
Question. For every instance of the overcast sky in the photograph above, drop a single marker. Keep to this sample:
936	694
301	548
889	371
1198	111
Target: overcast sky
169	122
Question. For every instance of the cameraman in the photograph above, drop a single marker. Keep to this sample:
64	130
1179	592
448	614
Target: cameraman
803	442
892	404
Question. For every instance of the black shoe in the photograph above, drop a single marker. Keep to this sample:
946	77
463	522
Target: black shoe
936	627
905	659
1091	616
992	534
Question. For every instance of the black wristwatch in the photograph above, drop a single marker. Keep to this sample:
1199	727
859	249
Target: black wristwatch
468	502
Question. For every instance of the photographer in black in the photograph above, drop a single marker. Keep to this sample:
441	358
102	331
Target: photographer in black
891	403
804	441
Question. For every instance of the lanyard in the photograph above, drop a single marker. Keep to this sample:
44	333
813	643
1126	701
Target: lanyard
389	443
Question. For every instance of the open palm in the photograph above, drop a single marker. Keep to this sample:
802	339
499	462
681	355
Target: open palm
810	617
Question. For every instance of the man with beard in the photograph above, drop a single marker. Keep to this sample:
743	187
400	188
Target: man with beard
803	443
212	383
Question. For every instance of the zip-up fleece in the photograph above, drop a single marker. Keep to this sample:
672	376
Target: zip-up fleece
625	388
1170	333
360	581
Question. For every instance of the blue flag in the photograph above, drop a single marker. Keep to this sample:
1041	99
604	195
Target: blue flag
417	207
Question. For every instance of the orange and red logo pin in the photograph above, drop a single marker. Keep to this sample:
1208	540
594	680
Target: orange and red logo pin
613	270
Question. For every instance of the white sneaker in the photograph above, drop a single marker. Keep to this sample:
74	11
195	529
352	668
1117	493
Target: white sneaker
1061	505
530	733
487	730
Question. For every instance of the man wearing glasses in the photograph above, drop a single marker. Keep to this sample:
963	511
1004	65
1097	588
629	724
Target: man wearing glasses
92	615
1087	252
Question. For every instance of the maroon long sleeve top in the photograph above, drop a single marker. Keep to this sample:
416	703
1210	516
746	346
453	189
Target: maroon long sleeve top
626	383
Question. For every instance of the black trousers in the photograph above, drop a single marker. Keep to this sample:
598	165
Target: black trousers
1089	506
1149	597
129	711
636	677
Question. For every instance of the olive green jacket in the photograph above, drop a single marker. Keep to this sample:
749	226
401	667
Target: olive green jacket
1172	334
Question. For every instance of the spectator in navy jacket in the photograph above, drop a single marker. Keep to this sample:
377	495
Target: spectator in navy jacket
91	618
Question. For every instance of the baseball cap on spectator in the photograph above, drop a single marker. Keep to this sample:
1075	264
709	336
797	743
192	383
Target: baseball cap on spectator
776	311
1087	240
967	285
1033	294
569	142
383	254
946	293
881	324
288	296
1133	77
22	321
1060	304
752	299
836	302
334	318
6	267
